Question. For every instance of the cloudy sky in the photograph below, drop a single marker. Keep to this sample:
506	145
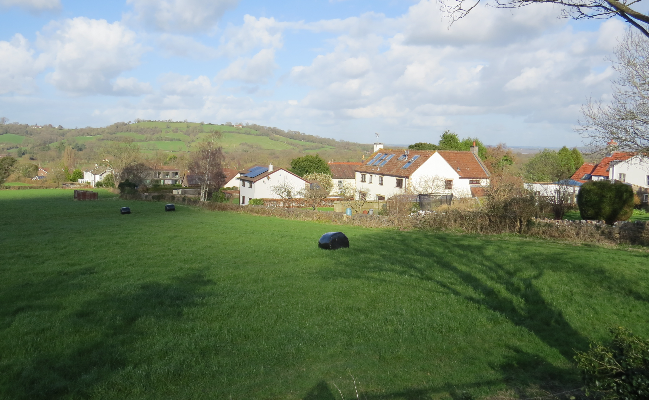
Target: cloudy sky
343	69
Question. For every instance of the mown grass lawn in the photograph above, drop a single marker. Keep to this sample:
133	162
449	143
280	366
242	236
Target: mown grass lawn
637	215
194	304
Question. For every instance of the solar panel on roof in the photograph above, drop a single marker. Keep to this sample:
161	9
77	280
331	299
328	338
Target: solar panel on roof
386	160
255	171
378	161
408	164
374	158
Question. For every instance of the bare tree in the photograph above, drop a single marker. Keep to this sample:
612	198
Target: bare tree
319	188
207	164
576	9
625	120
120	155
357	202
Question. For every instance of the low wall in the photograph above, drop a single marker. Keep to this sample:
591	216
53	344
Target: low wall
626	233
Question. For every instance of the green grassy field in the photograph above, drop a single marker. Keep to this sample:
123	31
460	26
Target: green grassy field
637	215
194	304
11	138
17	184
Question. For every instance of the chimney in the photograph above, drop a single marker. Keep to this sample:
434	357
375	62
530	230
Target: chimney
377	147
270	167
474	148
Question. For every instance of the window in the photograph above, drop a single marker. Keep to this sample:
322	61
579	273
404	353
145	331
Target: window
381	181
474	181
369	178
399	182
647	180
363	177
250	184
381	198
621	177
243	183
449	184
340	184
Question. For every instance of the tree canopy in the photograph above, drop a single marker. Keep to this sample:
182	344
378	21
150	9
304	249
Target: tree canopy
309	164
625	120
450	141
6	168
207	164
550	165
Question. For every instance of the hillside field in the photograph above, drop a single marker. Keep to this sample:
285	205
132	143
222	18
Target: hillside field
217	305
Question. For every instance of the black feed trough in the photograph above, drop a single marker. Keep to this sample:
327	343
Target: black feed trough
170	207
333	241
125	210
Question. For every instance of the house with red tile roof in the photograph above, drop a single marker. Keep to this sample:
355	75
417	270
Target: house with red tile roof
633	170
440	172
259	182
600	171
232	177
342	175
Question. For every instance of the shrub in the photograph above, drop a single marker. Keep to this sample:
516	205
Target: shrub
617	371
606	201
256	202
127	187
107	182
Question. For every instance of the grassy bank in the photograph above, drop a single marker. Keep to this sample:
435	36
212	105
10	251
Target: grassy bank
197	304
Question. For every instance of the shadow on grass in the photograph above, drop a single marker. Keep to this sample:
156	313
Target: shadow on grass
322	391
504	281
104	330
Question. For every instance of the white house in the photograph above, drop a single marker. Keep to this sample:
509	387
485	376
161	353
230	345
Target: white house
633	171
95	175
259	183
553	191
443	172
342	175
232	177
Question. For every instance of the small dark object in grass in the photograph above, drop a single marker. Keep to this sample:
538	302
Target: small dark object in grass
170	207
333	241
125	210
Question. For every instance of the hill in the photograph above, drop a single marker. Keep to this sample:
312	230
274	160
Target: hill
243	145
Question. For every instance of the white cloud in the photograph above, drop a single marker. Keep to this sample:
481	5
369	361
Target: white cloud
87	54
426	24
130	87
18	67
182	85
257	69
33	5
184	46
180	15
253	33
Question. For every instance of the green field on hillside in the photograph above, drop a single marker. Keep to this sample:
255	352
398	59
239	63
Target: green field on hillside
196	304
11	138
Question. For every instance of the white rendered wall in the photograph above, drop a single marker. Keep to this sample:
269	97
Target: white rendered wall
635	170
263	188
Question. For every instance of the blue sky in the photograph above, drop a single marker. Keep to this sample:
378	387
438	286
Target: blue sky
340	69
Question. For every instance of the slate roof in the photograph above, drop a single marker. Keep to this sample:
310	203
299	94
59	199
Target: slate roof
265	174
343	170
466	164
